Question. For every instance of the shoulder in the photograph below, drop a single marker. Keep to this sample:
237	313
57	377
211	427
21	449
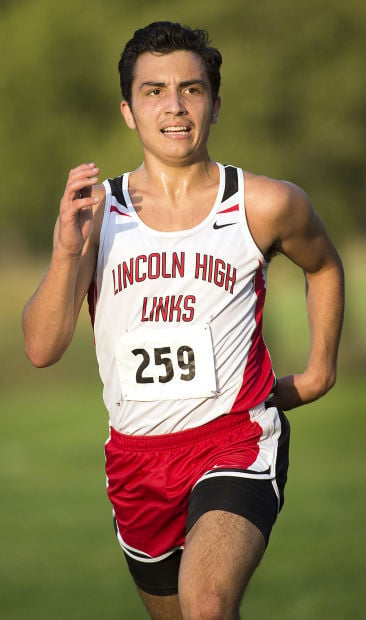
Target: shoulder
98	212
99	192
275	209
275	195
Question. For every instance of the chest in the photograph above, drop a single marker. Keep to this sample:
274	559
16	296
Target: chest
165	215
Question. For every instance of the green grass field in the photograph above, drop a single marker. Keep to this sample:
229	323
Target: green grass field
59	558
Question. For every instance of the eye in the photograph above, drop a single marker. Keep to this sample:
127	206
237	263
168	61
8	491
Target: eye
193	90
154	92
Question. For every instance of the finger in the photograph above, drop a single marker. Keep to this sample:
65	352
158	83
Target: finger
78	197
80	204
80	186
69	207
84	173
85	192
84	169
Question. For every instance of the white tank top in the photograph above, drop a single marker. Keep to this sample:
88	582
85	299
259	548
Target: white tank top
178	315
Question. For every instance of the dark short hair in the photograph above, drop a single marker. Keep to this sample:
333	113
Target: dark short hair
164	38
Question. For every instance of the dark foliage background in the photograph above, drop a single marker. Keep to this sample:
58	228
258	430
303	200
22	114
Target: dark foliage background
293	89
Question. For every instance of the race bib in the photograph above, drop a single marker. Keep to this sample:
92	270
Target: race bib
166	364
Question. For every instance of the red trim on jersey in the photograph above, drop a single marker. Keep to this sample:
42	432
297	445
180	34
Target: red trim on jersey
230	209
115	209
258	375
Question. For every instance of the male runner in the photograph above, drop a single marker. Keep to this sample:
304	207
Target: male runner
173	256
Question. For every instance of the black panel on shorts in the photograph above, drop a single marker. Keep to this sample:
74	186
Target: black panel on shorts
158	578
254	500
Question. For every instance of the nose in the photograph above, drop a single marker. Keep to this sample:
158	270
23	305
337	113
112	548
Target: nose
175	103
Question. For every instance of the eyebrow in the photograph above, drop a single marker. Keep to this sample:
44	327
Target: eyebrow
183	84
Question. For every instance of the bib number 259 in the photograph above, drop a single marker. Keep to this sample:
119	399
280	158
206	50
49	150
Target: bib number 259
184	367
168	363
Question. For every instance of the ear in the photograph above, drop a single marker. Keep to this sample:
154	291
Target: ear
127	115
216	110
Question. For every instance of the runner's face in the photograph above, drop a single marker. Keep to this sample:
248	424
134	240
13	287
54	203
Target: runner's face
172	106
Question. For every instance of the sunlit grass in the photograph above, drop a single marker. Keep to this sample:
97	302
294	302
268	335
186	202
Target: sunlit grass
59	556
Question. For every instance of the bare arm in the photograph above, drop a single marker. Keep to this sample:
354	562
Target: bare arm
50	316
303	240
294	229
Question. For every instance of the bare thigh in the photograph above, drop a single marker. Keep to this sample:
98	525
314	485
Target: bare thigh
221	553
161	607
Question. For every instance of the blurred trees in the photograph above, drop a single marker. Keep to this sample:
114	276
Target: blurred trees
293	89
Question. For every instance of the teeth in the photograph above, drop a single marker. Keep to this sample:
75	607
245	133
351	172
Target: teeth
175	129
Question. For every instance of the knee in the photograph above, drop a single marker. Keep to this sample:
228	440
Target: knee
210	604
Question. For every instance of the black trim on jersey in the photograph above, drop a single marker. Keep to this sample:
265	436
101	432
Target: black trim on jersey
231	185
116	189
282	462
231	182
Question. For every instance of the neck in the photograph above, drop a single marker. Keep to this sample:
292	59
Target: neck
176	181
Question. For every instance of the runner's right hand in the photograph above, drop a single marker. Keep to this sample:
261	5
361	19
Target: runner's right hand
75	222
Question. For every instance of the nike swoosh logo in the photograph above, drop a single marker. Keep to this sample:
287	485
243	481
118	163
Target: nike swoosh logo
217	226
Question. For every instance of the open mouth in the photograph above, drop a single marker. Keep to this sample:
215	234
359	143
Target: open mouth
181	130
